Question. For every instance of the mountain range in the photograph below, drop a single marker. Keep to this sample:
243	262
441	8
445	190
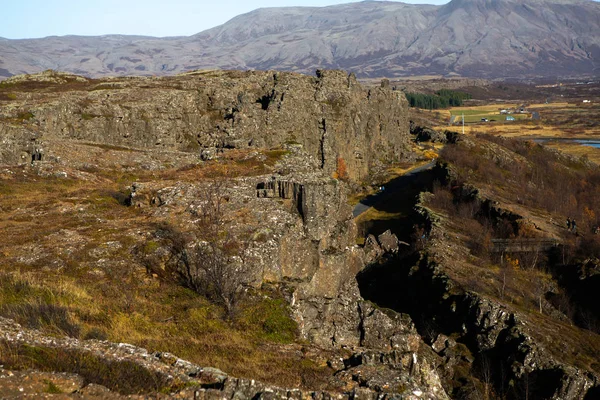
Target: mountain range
473	38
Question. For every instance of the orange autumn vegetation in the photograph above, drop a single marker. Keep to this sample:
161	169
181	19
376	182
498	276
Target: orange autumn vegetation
341	171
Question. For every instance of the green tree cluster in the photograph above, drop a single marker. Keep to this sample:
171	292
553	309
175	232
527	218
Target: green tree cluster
443	98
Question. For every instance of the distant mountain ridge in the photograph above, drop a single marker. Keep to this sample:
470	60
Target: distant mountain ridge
476	38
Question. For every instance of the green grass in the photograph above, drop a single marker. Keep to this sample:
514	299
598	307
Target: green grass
125	377
471	112
271	320
472	116
51	387
11	96
88	117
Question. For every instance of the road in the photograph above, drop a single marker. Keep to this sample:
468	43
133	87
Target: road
391	188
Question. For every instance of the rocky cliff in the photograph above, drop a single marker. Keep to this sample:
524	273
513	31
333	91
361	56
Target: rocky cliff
489	304
283	150
176	378
307	249
336	120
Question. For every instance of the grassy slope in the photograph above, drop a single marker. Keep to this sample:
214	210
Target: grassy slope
68	267
518	280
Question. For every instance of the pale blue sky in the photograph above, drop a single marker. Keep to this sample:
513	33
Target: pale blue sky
40	18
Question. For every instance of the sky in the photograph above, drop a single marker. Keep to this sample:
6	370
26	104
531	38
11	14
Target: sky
40	18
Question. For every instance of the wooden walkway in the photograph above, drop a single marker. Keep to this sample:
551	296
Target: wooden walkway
523	245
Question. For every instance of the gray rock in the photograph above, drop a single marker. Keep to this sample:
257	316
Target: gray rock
388	242
330	118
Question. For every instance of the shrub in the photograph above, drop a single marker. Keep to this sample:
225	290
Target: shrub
10	96
25	116
87	117
442	197
341	171
51	387
97	334
214	265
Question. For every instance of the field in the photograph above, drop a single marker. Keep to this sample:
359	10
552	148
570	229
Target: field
492	113
563	115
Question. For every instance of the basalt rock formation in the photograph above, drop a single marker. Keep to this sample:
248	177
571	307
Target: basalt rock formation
184	379
507	350
300	143
336	120
308	250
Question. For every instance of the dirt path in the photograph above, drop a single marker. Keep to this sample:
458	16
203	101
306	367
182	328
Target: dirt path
393	188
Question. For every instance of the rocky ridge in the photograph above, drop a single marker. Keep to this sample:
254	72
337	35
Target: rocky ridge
497	331
330	115
469	330
293	137
512	351
284	194
316	227
181	378
386	356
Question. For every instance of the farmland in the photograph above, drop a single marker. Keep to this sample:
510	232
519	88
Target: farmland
563	115
491	113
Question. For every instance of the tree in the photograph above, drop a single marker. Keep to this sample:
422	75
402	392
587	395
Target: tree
442	99
208	260
485	374
541	285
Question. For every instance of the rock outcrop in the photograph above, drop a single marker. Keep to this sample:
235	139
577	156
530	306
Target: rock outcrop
310	138
471	331
307	249
344	126
176	378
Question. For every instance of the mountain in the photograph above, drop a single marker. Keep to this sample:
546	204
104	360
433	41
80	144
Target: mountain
477	38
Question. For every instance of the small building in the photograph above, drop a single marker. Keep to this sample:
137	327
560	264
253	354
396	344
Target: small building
510	118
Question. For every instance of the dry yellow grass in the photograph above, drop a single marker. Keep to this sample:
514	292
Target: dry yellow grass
516	129
399	170
436	114
54	254
548	106
577	150
486	108
374	214
508	130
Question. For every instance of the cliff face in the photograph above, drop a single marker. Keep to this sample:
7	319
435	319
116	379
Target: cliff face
306	246
275	143
340	123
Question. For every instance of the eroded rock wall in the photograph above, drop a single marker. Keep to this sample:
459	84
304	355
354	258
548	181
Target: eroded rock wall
307	248
347	128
